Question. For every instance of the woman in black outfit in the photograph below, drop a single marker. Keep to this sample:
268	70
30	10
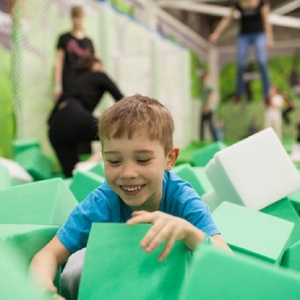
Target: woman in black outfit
71	121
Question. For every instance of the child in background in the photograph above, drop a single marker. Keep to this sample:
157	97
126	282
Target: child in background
273	116
136	136
207	108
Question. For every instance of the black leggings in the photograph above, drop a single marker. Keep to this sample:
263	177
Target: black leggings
207	118
69	125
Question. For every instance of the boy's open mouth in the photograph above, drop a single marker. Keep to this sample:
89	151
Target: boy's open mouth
131	188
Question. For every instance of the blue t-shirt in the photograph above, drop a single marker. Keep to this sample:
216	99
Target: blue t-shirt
104	205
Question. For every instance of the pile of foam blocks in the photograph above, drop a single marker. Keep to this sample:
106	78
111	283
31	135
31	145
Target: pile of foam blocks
251	187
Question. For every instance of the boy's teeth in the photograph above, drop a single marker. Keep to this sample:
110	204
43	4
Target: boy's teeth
131	189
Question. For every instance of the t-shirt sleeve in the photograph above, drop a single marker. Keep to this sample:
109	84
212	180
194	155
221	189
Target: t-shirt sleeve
60	42
197	212
74	233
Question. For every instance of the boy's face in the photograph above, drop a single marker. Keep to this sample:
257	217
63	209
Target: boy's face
134	169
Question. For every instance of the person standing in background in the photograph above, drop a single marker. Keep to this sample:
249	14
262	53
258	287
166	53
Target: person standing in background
71	47
207	108
255	30
273	115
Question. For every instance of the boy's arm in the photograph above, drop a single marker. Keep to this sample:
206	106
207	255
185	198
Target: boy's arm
170	229
45	263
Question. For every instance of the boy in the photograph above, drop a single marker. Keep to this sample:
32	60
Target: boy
136	136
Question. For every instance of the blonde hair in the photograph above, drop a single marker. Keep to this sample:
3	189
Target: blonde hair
138	113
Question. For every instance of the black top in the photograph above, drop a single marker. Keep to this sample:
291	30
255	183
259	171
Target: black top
251	20
89	87
74	50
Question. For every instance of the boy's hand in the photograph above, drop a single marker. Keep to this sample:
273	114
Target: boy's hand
164	228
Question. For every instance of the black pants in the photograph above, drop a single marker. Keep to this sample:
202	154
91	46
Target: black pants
207	118
69	126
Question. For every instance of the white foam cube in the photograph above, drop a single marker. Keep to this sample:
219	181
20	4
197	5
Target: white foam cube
254	172
212	200
16	171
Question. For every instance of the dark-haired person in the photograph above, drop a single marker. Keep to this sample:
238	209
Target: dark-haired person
71	122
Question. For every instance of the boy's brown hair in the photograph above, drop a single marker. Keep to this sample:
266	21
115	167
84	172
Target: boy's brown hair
138	113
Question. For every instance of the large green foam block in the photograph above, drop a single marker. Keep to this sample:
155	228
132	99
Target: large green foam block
188	173
20	145
5	180
291	257
35	162
284	209
98	168
14	280
218	275
27	239
83	183
116	267
203	155
47	202
251	232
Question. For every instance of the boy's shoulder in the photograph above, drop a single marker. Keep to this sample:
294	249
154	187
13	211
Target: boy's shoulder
177	187
104	195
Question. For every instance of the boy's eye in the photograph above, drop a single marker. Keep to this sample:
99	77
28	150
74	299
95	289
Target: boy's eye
114	162
143	161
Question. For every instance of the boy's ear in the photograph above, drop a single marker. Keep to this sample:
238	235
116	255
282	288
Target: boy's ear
172	157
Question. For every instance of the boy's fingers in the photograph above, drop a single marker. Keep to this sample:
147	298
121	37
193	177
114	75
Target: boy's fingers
168	246
151	234
140	217
163	235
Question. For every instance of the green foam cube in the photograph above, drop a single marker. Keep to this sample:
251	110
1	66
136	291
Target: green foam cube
251	232
218	275
20	145
36	163
5	179
291	257
46	202
116	267
27	239
14	280
83	183
188	173
284	209
98	168
203	155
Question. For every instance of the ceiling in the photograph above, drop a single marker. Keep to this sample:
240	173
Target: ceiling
203	16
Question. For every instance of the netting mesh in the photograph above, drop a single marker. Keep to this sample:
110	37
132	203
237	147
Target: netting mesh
136	58
33	47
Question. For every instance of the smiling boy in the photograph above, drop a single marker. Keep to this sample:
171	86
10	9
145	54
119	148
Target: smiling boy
136	135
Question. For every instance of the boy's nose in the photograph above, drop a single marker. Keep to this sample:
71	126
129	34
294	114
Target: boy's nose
129	170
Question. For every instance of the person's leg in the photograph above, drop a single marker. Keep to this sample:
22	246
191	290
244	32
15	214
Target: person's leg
71	274
243	43
70	125
260	44
210	117
66	154
202	122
